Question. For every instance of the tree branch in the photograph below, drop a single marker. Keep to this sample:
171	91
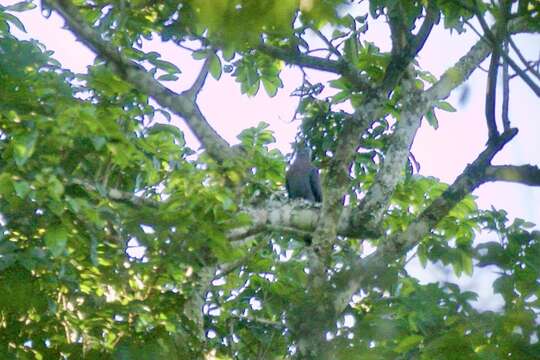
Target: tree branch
337	177
198	84
280	216
115	194
459	72
522	58
491	95
399	244
183	105
328	43
295	57
259	320
465	66
522	74
432	18
378	196
226	269
404	53
523	174
506	90
491	38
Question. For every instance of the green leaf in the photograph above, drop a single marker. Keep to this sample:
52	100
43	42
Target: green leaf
14	20
55	188
171	129
22	188
504	286
168	77
270	87
24	146
98	142
166	66
422	255
351	50
341	97
200	54
408	343
215	66
21	6
56	239
228	53
443	105
466	259
432	119
427	76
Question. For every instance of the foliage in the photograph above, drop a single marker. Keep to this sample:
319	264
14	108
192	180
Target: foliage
114	233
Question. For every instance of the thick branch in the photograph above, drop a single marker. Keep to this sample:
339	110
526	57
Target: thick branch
524	174
399	244
183	105
302	217
378	196
336	180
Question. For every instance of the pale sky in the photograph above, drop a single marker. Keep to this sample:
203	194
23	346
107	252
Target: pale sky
442	153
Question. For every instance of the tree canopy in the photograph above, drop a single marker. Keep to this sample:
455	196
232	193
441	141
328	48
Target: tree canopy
120	241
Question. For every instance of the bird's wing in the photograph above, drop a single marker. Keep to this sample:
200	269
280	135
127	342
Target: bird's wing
315	183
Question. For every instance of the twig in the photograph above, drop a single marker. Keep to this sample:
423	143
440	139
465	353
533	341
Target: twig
229	268
491	95
530	68
331	46
405	48
115	194
492	40
259	320
195	89
294	57
506	91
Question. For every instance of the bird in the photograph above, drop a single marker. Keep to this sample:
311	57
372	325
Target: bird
302	179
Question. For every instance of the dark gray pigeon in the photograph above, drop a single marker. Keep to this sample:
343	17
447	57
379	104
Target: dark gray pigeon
302	179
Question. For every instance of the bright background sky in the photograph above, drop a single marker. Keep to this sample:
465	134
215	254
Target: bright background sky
442	153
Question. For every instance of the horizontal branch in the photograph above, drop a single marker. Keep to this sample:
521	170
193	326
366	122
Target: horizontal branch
294	57
115	194
524	174
181	104
298	215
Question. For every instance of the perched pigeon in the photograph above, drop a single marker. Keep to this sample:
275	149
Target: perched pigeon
302	178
